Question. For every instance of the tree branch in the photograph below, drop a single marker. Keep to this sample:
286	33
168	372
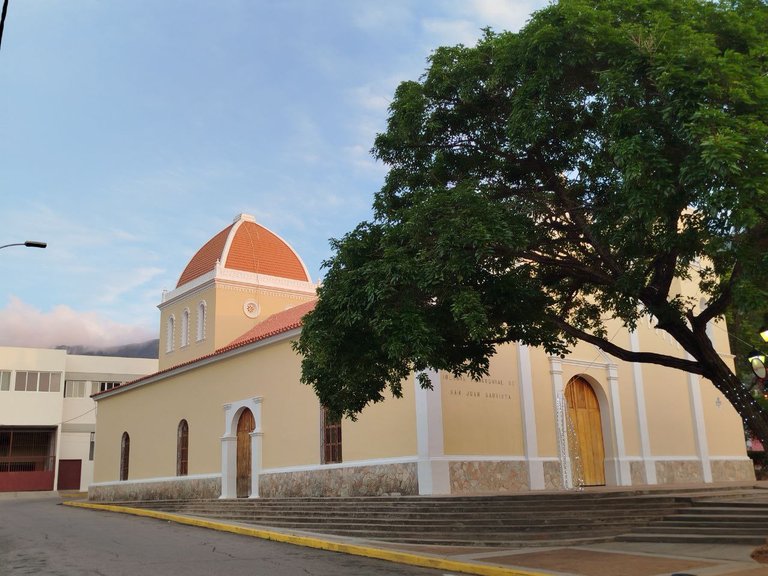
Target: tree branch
628	355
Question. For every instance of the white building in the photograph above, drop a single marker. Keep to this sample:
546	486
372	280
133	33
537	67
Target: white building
47	417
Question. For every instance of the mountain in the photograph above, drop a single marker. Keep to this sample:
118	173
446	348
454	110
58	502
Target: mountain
148	349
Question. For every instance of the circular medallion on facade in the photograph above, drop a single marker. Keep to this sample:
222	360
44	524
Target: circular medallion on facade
251	308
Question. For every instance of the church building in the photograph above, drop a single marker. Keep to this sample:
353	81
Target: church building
226	415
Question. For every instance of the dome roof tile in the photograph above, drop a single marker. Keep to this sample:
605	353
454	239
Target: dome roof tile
249	247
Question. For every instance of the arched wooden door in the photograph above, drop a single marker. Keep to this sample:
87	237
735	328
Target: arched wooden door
245	426
584	413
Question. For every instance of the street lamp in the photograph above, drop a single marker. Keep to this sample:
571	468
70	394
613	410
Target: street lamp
28	244
764	331
757	361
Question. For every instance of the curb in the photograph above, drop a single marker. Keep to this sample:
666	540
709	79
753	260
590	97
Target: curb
318	543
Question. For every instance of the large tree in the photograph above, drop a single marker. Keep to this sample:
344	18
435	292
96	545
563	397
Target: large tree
545	182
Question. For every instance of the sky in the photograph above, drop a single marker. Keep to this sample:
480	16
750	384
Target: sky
132	131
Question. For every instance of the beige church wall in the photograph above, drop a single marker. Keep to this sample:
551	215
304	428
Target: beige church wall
270	372
383	430
231	319
195	348
483	417
671	427
544	403
290	411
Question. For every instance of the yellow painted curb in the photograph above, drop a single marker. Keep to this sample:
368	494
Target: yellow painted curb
310	542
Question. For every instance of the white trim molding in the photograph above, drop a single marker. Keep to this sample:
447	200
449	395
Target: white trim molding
232	413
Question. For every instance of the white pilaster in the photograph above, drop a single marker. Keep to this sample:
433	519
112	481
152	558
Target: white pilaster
530	440
622	471
432	469
699	427
558	399
228	467
642	417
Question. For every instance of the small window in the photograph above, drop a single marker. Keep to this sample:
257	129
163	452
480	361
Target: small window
55	381
75	388
182	449
38	381
5	380
125	453
32	381
104	386
185	328
21	381
92	446
331	439
170	334
201	311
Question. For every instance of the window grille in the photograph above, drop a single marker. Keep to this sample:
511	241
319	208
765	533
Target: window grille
182	449
331	439
26	450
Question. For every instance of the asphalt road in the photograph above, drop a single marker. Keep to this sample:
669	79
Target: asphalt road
40	537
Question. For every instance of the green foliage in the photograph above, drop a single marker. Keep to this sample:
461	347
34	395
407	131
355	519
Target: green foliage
543	182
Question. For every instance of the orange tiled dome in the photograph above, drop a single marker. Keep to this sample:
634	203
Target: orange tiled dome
247	246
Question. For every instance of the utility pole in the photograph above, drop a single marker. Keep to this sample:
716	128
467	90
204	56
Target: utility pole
2	19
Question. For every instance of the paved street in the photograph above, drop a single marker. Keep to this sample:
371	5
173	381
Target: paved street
40	537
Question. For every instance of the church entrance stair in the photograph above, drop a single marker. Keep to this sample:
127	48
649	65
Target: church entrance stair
513	520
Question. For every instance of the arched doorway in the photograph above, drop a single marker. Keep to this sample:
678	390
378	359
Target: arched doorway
584	414
245	425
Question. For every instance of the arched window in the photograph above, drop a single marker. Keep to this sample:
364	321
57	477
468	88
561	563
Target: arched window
182	448
185	328
201	310
170	334
125	452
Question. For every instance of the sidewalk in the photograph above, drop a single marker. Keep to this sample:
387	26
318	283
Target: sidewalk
606	559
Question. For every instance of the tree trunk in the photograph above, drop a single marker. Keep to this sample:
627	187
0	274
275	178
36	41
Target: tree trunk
752	414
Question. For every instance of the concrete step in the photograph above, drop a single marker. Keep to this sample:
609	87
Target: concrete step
738	539
395	512
719	520
658	528
457	525
526	519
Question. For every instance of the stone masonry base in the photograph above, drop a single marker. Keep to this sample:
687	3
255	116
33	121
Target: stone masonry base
466	477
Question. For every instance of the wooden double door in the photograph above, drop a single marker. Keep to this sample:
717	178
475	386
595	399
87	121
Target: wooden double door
584	415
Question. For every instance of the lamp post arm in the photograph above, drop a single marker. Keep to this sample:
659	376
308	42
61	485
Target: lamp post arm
28	244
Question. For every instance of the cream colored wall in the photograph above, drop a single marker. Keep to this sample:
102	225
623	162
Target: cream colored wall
19	408
111	365
199	396
544	402
226	319
290	418
231	321
483	417
76	446
195	348
383	430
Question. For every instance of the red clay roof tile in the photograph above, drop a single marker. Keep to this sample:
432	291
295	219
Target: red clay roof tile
275	324
252	248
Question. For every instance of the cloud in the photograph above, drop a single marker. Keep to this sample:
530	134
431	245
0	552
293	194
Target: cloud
470	17
380	16
26	326
127	281
376	99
